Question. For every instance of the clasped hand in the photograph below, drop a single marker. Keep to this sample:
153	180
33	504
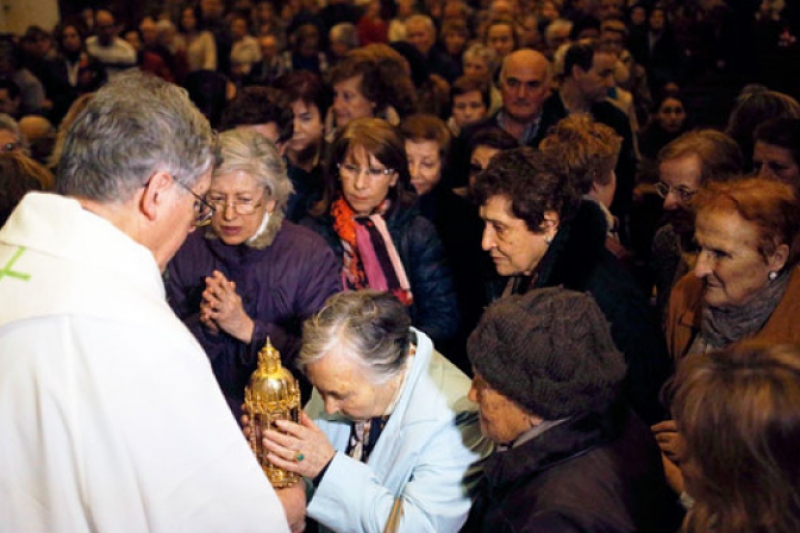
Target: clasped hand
222	309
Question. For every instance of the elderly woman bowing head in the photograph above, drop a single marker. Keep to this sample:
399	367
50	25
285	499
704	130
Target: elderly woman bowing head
251	274
389	423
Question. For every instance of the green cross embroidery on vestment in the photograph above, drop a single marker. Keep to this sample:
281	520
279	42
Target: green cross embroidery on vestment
6	270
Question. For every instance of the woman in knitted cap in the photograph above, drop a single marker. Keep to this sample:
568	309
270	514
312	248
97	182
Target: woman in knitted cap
569	456
540	233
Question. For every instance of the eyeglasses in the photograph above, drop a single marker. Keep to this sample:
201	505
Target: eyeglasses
203	211
242	207
683	194
354	170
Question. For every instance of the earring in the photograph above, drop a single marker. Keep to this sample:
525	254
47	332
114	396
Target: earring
773	275
548	240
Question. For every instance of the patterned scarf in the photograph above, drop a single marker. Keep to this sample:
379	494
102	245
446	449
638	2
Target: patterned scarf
370	257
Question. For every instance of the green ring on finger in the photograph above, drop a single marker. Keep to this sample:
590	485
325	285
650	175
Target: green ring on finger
299	457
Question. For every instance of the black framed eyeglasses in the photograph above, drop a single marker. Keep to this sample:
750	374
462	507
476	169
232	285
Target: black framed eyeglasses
203	211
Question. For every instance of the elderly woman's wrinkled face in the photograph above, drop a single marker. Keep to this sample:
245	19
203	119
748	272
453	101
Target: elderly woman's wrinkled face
730	264
345	390
501	419
349	103
366	182
240	203
424	164
514	248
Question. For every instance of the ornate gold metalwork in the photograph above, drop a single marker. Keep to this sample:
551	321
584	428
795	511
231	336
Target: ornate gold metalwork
273	394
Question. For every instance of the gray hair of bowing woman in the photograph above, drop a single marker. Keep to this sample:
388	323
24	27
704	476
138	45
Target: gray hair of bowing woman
369	327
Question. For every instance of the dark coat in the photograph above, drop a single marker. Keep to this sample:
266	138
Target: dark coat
435	307
597	474
280	285
578	260
460	228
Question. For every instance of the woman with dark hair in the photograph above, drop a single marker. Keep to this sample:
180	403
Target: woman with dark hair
372	81
737	412
427	141
73	72
200	46
669	121
754	106
305	52
310	99
369	218
540	233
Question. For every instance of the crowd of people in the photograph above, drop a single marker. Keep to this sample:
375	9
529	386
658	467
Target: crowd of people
534	263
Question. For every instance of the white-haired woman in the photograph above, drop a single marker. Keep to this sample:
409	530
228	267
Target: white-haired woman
251	274
389	424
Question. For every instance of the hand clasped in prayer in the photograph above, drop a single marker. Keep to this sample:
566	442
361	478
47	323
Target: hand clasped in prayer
304	439
222	309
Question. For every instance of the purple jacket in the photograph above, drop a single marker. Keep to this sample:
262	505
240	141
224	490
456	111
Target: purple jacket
280	285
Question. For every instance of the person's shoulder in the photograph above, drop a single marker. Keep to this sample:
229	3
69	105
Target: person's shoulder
303	236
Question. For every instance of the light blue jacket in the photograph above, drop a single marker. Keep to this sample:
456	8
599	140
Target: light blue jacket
429	454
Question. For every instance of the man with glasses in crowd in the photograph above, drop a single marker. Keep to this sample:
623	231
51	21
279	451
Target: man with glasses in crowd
684	165
110	415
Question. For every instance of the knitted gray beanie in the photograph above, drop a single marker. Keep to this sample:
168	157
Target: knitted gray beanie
550	351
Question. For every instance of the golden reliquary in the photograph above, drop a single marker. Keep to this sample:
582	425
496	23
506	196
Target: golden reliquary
273	394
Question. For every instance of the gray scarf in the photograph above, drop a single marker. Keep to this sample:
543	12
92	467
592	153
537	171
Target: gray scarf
722	326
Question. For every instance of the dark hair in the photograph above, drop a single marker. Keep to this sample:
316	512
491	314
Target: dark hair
260	105
771	206
306	86
10	86
80	27
467	84
384	80
582	54
757	104
737	414
380	140
782	132
208	90
586	22
493	137
426	127
19	174
524	177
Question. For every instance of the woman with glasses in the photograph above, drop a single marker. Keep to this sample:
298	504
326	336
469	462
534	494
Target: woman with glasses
250	274
369	218
745	283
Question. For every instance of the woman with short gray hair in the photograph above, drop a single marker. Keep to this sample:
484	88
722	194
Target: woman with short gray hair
251	275
388	427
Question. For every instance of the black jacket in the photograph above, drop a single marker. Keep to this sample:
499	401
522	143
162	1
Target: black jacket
578	260
596	474
435	307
